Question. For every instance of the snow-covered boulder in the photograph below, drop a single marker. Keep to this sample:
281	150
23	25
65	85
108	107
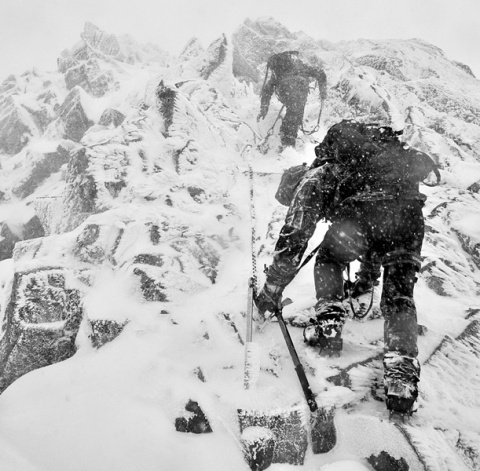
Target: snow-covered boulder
41	322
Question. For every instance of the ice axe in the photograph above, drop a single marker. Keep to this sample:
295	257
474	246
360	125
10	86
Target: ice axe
322	427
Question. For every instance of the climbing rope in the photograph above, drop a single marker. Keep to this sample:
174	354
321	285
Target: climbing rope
317	125
262	144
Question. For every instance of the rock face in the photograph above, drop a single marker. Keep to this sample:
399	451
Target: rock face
104	331
45	165
41	322
73	117
80	193
14	132
27	107
195	422
96	43
111	117
291	436
254	42
31	229
90	77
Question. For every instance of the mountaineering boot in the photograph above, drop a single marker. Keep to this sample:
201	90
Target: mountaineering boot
326	329
401	377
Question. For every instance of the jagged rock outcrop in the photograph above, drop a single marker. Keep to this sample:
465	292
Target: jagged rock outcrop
194	420
43	166
15	131
80	192
42	319
30	229
111	117
254	42
7	244
45	305
27	107
215	56
96	43
103	331
291	436
166	102
72	116
90	77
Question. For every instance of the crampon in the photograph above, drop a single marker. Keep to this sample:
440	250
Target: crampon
401	377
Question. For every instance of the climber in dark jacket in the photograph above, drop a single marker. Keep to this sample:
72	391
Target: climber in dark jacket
290	79
387	221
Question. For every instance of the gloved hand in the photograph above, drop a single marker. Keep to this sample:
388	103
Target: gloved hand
263	113
268	299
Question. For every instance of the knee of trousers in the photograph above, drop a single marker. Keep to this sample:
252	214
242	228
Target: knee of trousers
400	273
402	257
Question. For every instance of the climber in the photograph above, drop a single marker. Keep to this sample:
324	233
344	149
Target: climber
290	78
366	183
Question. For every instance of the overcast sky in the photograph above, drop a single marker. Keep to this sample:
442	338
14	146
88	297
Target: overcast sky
34	32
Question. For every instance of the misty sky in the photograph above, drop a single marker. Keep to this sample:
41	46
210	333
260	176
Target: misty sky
34	32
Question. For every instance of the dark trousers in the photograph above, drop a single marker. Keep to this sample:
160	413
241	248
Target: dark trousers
292	91
394	231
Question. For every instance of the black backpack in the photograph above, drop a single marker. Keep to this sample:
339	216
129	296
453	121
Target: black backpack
372	158
288	183
282	63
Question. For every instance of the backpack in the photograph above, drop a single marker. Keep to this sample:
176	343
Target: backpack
371	158
282	63
288	183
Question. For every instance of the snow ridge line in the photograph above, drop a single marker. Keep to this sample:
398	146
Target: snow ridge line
410	441
472	329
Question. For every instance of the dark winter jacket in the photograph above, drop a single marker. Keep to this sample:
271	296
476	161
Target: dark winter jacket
291	83
317	197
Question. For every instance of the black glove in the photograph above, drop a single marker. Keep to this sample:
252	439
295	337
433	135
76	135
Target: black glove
269	299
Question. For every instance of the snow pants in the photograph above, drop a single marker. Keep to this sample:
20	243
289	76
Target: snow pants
393	230
292	91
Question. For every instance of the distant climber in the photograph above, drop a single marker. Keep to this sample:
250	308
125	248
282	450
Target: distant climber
289	77
366	183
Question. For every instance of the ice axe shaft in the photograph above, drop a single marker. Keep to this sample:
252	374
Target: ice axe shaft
312	403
